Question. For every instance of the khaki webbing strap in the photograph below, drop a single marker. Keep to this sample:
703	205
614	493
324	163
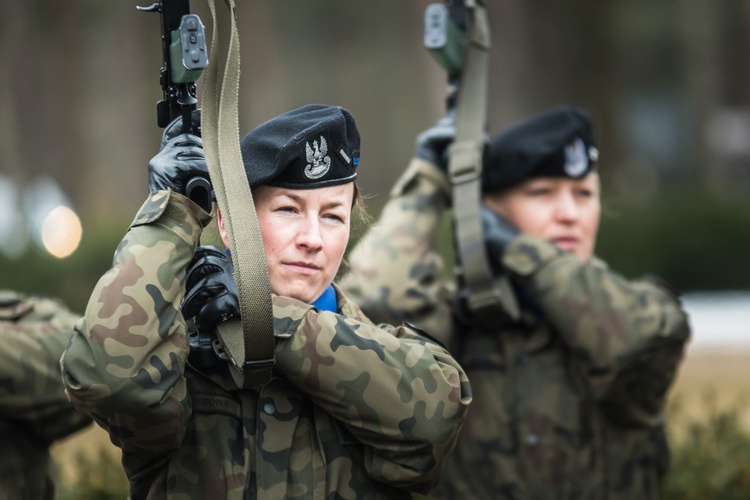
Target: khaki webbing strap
249	341
486	294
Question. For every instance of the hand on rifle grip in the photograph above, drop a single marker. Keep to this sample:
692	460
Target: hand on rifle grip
210	291
433	144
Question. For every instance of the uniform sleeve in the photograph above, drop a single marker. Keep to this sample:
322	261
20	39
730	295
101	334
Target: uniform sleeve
31	394
395	272
124	365
400	395
627	336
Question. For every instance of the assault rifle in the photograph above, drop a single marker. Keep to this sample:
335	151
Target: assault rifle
457	34
247	341
185	56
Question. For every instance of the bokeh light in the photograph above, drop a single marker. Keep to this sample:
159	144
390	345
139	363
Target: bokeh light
61	232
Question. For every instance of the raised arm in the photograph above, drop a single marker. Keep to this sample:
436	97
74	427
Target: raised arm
124	365
395	272
627	336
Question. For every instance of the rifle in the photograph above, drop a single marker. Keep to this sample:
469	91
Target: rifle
247	341
457	34
185	56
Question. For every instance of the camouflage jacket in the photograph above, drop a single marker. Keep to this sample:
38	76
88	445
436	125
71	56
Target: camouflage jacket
353	410
568	401
34	411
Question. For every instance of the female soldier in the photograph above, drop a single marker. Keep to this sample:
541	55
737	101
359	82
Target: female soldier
569	397
353	410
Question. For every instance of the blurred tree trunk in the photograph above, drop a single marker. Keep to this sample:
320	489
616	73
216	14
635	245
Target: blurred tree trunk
12	81
119	82
511	64
64	44
699	34
41	89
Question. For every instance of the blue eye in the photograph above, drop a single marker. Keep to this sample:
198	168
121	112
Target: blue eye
334	217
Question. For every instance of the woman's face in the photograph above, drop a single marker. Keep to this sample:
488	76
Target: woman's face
305	233
561	210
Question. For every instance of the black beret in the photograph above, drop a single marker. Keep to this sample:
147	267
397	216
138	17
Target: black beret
313	146
558	142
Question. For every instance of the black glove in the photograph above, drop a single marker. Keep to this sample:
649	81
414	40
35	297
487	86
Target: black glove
498	233
179	160
432	144
210	291
175	127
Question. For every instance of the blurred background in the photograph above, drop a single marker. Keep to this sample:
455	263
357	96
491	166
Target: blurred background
667	84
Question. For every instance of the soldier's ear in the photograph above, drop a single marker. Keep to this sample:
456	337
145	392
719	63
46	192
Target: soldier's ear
222	230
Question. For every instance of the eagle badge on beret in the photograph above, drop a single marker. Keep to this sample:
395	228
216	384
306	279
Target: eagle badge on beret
318	160
576	159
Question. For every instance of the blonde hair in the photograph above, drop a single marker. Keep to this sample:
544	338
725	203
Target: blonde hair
361	220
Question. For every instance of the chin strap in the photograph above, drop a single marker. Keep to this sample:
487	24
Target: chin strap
248	341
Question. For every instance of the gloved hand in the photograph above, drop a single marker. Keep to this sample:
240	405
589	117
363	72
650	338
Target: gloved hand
175	127
432	144
210	291
498	233
179	160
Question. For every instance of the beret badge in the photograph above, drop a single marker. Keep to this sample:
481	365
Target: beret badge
576	158
318	161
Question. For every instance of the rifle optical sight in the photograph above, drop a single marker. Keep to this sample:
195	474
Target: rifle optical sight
445	40
188	50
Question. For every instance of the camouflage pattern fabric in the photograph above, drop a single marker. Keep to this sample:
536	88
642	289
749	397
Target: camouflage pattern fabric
568	402
34	411
353	410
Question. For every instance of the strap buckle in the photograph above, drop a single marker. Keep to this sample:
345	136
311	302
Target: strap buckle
254	373
464	162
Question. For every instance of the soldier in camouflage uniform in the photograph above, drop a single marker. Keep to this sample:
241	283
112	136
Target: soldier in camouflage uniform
353	410
34	411
568	399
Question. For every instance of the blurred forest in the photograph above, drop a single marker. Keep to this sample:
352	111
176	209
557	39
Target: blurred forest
666	83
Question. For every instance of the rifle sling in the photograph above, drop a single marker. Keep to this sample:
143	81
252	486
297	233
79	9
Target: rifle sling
249	341
486	294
